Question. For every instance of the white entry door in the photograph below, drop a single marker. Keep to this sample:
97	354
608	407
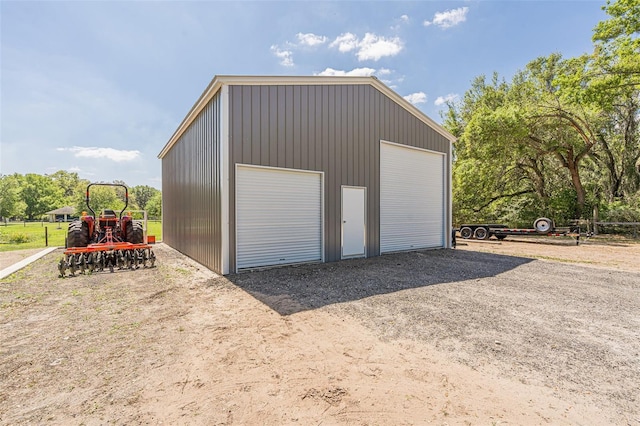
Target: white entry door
353	221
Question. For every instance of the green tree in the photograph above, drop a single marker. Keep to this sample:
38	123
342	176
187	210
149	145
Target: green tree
521	143
68	182
100	198
608	80
40	194
142	194
154	206
11	203
617	46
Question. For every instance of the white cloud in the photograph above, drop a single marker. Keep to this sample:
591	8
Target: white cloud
286	56
399	22
346	42
448	18
310	39
441	100
360	72
416	98
375	47
371	47
117	155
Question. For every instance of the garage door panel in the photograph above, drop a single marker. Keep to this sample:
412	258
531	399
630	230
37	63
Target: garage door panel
278	216
411	198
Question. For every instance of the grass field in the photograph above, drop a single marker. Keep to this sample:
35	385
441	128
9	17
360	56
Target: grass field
20	235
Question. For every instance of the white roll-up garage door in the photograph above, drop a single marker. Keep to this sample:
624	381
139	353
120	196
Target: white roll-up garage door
278	216
411	198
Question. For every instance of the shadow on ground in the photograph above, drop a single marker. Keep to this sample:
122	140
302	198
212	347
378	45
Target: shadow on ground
293	289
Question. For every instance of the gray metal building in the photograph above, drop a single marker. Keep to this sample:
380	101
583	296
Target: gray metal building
280	170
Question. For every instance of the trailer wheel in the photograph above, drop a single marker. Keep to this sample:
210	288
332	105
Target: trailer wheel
466	232
543	225
481	233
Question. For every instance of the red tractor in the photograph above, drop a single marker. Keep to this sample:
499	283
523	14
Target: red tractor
108	241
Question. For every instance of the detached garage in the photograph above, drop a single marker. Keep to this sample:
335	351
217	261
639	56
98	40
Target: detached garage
268	171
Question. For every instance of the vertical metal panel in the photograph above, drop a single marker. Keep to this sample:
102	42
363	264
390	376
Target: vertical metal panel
338	128
191	190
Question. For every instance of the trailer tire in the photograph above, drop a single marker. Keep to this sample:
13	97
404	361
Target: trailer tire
466	232
543	225
481	233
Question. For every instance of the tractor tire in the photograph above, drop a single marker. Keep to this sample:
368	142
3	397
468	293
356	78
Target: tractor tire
466	232
135	233
78	234
481	233
543	225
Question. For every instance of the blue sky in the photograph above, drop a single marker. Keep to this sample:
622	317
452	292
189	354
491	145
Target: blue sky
99	87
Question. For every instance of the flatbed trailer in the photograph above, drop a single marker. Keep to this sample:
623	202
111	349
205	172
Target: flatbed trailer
541	227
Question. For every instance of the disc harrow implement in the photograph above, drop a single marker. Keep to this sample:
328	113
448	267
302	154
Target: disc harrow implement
101	257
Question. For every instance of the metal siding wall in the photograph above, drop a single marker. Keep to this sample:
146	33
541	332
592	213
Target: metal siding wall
191	190
329	128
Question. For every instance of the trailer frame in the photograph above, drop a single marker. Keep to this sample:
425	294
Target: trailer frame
484	231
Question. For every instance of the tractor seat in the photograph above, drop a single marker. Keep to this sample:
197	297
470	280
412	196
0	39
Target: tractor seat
108	214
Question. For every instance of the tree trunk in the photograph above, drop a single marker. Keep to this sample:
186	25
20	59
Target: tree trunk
572	165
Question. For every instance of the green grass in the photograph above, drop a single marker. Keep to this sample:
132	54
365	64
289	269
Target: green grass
19	235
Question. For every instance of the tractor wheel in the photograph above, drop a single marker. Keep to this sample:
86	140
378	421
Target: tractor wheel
135	233
78	234
543	225
481	233
466	232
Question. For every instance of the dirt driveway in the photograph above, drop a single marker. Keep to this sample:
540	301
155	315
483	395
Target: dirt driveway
443	337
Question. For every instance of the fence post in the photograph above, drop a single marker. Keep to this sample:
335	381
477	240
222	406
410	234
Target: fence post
46	236
595	220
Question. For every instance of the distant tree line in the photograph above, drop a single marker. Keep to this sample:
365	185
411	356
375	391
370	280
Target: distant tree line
560	139
31	195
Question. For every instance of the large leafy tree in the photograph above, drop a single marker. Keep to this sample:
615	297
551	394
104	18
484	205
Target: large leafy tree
68	182
559	136
40	194
608	80
617	47
515	138
11	203
142	194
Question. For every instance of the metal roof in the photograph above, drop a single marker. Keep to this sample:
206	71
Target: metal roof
63	210
220	80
